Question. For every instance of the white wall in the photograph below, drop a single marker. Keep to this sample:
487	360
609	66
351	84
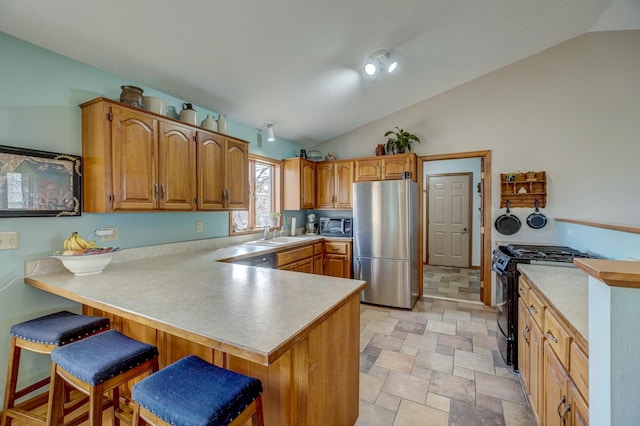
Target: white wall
572	110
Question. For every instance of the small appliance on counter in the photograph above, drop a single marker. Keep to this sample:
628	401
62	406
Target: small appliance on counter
312	224
335	226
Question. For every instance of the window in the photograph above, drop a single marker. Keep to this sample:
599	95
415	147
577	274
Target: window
264	195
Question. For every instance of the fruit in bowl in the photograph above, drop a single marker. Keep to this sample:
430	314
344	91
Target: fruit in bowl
84	257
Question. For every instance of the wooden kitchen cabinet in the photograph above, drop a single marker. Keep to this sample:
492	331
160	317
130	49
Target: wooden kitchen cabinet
299	259
556	387
334	184
523	192
579	410
223	172
385	167
132	160
299	178
530	356
318	258
337	258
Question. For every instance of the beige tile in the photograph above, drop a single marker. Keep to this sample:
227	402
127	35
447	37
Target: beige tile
422	372
470	327
406	386
371	314
438	402
370	387
374	415
408	350
455	342
385	327
458	315
437	316
435	361
474	361
471	305
499	387
481	340
381	341
388	401
395	361
453	387
427	342
408	316
464	372
517	414
377	371
412	414
483	351
365	338
442	327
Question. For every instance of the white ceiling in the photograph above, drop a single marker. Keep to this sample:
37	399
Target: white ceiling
297	62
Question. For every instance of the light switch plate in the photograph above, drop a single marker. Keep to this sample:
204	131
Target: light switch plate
9	240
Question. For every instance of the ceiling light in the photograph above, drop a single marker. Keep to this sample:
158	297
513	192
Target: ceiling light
259	138
270	136
379	61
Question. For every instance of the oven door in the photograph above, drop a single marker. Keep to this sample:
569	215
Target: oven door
503	303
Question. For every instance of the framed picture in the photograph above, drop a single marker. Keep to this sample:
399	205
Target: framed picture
39	183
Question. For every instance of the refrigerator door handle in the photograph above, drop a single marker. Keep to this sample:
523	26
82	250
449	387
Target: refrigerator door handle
359	271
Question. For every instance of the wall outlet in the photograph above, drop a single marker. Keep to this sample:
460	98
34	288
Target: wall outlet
106	237
9	240
198	226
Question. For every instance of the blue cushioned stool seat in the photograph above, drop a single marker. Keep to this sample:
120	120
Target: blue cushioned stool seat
193	392
103	356
59	328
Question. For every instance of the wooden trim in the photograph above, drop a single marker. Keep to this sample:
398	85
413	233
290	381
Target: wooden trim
614	227
614	273
485	229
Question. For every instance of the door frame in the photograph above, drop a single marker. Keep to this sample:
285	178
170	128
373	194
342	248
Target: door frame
485	215
425	240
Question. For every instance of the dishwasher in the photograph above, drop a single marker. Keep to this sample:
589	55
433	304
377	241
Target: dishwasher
266	260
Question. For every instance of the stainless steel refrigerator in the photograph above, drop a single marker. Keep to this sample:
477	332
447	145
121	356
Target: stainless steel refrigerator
385	241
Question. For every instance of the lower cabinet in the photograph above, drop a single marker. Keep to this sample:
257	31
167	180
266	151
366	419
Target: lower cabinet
332	258
337	258
556	386
318	258
299	259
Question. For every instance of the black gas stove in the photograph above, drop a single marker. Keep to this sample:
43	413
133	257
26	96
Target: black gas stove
505	263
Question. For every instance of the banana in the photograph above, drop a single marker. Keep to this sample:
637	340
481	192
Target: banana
76	243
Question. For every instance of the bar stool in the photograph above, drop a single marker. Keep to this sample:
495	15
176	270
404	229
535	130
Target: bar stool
42	335
97	365
193	392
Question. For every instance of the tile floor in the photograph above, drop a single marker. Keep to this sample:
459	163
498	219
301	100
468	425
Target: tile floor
437	364
451	283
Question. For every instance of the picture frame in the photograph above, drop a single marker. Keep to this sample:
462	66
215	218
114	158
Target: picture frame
37	183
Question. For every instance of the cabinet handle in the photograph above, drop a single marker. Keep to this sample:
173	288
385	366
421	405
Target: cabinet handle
567	408
551	337
533	310
521	292
525	331
359	271
155	190
162	192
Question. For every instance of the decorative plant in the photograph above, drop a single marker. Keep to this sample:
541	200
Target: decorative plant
274	215
400	140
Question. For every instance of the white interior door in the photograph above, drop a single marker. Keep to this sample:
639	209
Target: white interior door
449	219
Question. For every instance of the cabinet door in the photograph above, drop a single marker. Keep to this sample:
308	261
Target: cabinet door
134	152
325	188
308	184
555	388
343	185
579	412
368	170
176	167
394	167
535	361
524	336
336	265
211	171
237	175
305	266
318	264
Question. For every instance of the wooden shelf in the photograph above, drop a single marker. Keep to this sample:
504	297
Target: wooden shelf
523	192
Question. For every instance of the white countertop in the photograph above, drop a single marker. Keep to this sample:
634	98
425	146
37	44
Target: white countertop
567	289
253	311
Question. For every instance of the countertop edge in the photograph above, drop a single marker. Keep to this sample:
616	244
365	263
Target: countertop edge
614	273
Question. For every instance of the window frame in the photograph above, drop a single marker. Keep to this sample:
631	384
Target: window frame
276	195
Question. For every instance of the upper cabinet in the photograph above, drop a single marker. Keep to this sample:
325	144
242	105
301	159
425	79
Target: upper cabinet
385	167
523	189
139	161
334	181
223	174
299	178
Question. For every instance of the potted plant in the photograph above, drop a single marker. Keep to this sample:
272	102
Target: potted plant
399	140
530	175
273	219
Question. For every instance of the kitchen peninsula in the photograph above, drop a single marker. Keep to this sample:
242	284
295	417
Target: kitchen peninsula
298	333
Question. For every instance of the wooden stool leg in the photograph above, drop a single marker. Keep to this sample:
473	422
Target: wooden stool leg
55	413
258	418
95	405
12	380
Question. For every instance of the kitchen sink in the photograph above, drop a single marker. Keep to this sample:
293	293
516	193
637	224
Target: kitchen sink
275	241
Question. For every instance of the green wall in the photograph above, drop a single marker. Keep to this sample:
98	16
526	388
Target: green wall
39	96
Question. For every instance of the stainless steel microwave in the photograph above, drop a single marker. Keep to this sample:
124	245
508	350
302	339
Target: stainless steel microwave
335	226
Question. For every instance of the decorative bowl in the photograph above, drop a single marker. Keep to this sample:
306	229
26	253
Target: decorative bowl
90	262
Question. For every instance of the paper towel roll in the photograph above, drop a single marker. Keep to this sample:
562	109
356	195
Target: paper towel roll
293	227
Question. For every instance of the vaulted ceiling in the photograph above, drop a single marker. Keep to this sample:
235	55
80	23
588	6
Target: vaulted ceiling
298	62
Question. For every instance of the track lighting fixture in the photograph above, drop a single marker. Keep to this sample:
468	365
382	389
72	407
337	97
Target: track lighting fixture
271	137
378	62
